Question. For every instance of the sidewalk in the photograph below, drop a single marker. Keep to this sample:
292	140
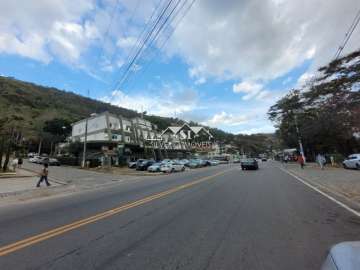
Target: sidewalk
21	187
17	174
20	182
339	181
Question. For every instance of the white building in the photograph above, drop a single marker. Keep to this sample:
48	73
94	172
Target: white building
107	127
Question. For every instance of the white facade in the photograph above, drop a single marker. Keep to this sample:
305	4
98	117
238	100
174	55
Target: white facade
106	127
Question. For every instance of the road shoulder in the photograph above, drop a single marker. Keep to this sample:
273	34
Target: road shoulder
339	185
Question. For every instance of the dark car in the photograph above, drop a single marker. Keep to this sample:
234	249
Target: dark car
144	165
49	161
249	164
133	164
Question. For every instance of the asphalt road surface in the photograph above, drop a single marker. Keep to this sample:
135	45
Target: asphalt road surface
212	218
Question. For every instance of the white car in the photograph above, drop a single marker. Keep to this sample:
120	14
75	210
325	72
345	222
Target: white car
352	162
172	167
156	167
35	159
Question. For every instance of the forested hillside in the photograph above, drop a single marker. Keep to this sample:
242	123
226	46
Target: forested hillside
33	111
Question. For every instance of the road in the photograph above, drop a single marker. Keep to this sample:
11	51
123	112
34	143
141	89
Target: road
212	218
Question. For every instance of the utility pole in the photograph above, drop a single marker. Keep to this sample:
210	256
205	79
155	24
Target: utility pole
299	139
85	140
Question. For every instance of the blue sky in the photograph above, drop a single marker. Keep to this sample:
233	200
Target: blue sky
224	65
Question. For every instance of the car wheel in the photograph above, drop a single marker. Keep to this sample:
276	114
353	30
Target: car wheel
172	170
344	165
358	166
183	169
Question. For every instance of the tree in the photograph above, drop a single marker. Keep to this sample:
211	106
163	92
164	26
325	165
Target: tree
327	110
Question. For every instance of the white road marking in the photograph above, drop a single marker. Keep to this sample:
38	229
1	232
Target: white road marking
356	213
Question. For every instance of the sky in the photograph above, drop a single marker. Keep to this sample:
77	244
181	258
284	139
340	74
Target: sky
222	63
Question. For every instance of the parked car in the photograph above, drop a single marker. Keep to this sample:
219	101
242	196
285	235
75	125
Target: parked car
352	162
193	163
236	160
54	162
142	166
214	162
184	161
31	155
249	163
172	167
155	167
35	159
49	161
202	162
133	164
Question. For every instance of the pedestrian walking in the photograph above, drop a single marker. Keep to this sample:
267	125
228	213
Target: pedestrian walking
44	175
301	161
20	162
332	160
14	164
321	160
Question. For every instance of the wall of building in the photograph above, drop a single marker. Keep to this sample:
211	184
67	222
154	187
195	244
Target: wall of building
94	125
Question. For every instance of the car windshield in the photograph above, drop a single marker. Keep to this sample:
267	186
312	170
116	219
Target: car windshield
179	134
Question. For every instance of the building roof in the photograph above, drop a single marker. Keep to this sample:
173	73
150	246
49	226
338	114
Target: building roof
176	129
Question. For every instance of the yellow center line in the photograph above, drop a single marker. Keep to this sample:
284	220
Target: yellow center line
7	249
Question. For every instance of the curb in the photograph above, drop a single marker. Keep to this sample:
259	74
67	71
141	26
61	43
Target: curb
16	176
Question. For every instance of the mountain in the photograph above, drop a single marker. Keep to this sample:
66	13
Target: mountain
29	106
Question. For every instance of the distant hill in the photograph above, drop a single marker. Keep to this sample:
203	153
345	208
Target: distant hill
31	105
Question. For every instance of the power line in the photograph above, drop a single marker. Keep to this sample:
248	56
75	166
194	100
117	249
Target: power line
131	19
348	35
161	47
140	37
142	46
170	21
147	38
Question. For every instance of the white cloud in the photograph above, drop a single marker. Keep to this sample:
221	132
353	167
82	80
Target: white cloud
226	119
31	29
69	40
251	90
126	42
247	87
30	45
173	100
261	39
256	130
